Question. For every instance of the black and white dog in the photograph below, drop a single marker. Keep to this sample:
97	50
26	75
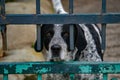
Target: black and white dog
87	41
56	45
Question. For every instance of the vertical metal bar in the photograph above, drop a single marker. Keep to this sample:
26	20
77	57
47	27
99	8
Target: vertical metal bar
2	7
103	6
39	77
39	37
103	37
71	2
3	27
103	26
38	7
71	26
71	37
5	76
38	26
72	76
4	37
105	76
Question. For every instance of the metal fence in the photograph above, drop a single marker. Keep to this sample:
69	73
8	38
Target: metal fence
40	68
71	68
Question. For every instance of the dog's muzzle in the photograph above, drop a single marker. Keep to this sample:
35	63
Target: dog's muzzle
55	50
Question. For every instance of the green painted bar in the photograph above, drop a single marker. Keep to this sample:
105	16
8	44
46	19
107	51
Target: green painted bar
105	76
64	67
114	79
72	76
5	76
39	77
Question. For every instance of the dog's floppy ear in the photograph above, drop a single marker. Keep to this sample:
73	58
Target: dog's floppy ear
80	42
38	46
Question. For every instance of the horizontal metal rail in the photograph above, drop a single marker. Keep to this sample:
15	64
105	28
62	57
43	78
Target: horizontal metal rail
59	67
60	19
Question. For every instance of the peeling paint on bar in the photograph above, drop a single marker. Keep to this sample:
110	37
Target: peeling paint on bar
107	68
59	67
44	70
5	71
20	68
86	69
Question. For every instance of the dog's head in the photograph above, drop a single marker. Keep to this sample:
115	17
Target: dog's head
56	42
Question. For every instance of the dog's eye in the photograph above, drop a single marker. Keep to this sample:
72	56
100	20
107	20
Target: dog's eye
65	34
49	34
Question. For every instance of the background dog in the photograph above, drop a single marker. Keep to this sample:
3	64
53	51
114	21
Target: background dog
56	43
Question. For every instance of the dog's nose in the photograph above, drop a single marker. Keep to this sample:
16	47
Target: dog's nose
56	50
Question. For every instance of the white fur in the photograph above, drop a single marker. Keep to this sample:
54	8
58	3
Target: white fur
58	7
90	52
97	32
57	39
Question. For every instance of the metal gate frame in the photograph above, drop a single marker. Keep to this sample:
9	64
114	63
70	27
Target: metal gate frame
40	68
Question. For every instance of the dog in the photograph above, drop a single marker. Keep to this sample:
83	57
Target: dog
87	41
56	44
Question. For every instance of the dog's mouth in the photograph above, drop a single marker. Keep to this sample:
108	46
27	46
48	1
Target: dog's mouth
56	59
